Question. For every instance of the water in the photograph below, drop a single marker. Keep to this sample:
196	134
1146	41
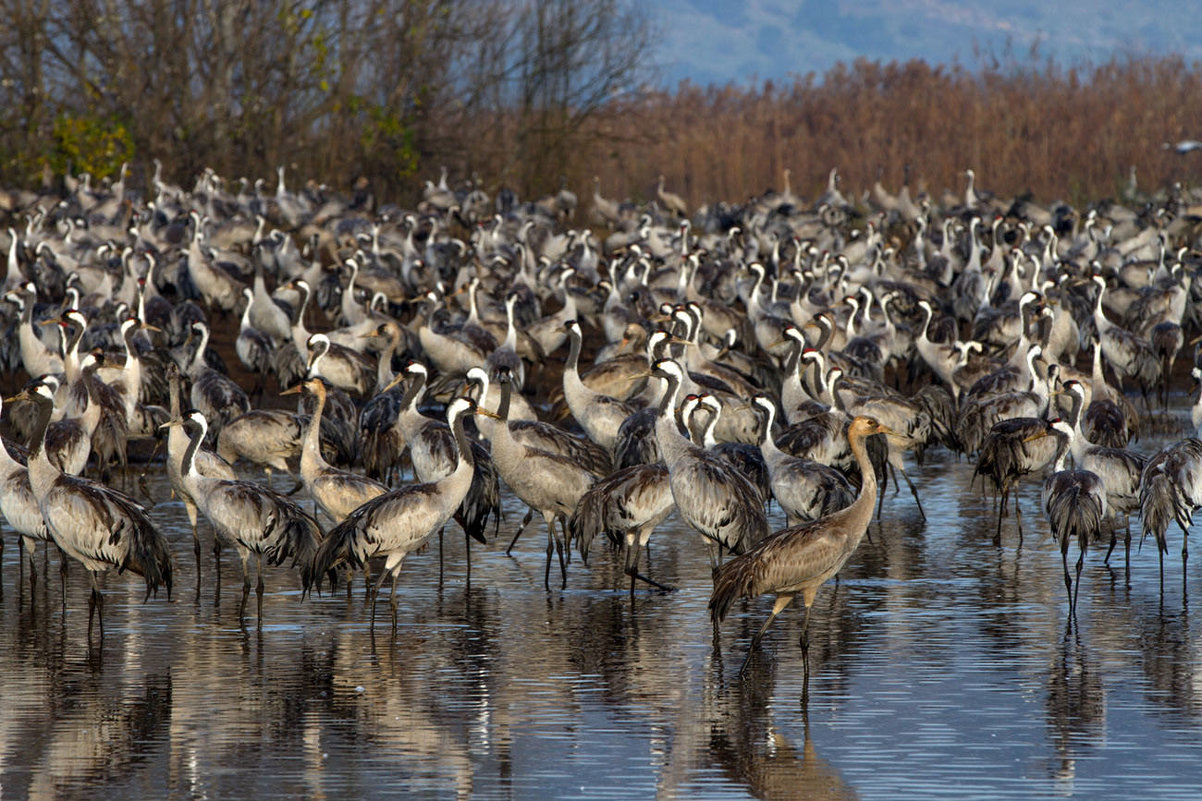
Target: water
942	666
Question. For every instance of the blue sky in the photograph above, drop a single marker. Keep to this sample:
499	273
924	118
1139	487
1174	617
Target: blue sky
714	41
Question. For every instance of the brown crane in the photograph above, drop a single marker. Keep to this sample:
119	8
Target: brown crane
800	559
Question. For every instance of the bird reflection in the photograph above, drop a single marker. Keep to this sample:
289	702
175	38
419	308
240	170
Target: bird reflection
748	749
1076	704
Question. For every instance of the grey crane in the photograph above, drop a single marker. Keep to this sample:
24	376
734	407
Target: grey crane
20	508
547	482
599	415
1170	490
255	349
1010	453
626	506
1119	468
215	395
1075	502
395	524
344	368
802	558
805	489
252	518
208	463
94	524
432	453
713	497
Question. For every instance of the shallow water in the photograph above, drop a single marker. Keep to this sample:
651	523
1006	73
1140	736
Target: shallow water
942	666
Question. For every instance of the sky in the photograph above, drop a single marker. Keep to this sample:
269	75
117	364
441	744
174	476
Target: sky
722	41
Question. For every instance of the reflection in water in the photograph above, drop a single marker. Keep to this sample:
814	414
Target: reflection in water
751	751
934	658
1076	706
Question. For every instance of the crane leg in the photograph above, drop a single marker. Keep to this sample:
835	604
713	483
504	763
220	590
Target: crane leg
245	586
375	595
781	602
1018	517
1077	587
1068	584
1001	510
259	592
392	598
632	570
96	604
196	552
217	569
563	568
62	574
914	492
805	658
525	522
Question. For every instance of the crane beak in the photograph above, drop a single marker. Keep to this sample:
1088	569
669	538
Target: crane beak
1196	340
400	377
171	424
295	389
149	327
1035	436
20	396
486	413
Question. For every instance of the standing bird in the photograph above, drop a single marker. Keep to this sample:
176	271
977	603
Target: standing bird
208	463
100	527
337	492
1075	502
20	508
399	522
802	558
805	489
626	506
547	482
1170	490
217	396
1011	452
254	519
712	496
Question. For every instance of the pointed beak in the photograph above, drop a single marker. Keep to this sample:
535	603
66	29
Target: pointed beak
400	377
292	390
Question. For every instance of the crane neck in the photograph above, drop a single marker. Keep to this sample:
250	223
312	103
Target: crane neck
311	448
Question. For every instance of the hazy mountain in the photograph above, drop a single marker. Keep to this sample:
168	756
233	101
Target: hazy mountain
716	41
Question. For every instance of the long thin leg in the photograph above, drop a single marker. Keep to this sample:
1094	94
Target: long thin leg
259	591
1018	516
392	599
217	569
805	656
525	522
559	549
1068	583
781	602
245	586
375	595
914	492
96	604
1077	588
633	547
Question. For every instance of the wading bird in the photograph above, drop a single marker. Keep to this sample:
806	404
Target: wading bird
802	558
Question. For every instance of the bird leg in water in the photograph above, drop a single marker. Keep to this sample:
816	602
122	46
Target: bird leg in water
525	522
805	653
632	568
782	601
259	593
554	545
914	492
96	605
392	598
217	563
375	595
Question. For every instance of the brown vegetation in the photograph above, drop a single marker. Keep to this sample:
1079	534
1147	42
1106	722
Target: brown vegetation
522	94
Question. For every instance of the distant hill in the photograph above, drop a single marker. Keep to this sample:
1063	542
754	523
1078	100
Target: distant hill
718	41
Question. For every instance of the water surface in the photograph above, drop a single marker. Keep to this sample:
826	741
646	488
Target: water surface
942	666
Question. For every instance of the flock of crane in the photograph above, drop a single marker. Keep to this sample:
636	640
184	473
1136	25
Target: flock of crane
781	350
